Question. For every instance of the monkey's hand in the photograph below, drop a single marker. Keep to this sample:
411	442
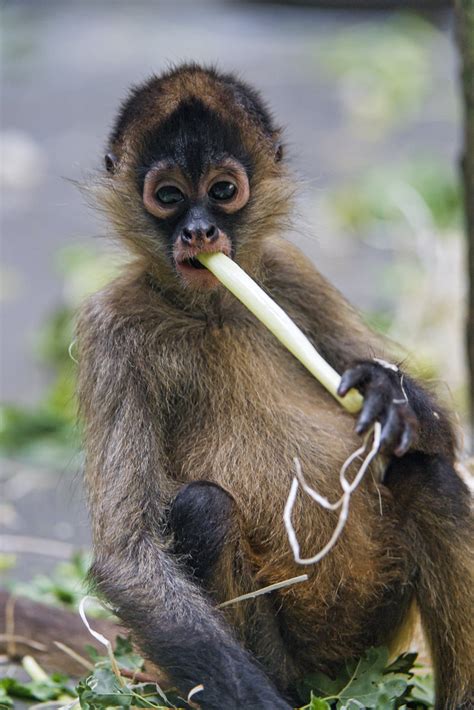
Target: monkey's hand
385	401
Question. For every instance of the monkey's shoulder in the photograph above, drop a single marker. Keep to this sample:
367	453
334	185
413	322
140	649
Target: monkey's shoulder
128	300
132	320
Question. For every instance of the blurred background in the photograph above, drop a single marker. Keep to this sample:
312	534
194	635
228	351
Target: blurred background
371	107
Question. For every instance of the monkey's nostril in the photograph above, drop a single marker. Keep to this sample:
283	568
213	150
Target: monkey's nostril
187	236
211	233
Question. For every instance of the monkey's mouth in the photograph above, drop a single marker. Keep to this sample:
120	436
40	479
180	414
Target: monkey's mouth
192	263
188	267
194	274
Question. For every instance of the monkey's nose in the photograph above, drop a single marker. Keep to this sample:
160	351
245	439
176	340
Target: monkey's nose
203	233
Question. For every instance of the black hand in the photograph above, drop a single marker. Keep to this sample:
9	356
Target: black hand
384	401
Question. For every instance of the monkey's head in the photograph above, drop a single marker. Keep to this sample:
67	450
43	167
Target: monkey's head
194	163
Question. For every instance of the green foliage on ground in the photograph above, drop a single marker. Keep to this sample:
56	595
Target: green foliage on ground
47	433
368	682
371	682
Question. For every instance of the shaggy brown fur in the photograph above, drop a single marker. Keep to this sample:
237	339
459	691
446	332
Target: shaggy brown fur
181	385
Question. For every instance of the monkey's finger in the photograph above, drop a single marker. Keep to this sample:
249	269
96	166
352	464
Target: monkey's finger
392	430
405	440
354	377
374	405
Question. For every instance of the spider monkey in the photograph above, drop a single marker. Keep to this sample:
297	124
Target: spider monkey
193	414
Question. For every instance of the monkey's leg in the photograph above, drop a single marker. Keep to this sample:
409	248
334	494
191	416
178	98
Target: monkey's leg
175	624
201	519
204	521
180	631
434	506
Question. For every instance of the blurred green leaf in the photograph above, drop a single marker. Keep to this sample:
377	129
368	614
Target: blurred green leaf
47	433
384	195
422	690
42	691
126	656
64	586
384	69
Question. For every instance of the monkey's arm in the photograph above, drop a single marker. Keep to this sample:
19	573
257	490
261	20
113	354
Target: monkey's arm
410	415
126	471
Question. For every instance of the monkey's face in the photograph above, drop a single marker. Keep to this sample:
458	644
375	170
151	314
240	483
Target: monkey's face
195	175
195	188
197	216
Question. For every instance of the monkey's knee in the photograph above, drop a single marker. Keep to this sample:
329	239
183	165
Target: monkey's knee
200	520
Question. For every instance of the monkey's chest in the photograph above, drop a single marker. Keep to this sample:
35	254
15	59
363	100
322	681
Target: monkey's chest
243	432
241	420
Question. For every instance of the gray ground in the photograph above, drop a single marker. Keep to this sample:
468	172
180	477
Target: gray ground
65	66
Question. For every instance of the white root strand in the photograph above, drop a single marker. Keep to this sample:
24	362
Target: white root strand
197	689
100	637
343	502
265	590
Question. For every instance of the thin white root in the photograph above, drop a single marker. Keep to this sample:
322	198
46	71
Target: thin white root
265	590
405	396
387	365
343	502
197	689
99	637
105	641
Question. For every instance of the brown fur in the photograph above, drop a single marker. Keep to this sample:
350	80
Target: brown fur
178	386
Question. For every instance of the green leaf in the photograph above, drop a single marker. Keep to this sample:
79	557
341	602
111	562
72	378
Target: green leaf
34	690
318	704
102	690
13	687
125	655
403	664
92	652
5	700
364	683
351	705
422	690
324	686
367	683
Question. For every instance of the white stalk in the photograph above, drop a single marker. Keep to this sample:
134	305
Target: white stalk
279	323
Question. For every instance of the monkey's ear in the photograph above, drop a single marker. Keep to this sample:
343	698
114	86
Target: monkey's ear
278	145
111	161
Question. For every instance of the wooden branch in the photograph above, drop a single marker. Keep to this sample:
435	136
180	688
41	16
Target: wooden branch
465	35
27	627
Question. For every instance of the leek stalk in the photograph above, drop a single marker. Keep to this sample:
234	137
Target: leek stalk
279	323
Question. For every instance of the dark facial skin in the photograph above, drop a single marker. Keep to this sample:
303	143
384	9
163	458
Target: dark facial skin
192	212
195	185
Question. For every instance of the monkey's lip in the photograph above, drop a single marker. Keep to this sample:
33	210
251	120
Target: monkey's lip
194	273
191	263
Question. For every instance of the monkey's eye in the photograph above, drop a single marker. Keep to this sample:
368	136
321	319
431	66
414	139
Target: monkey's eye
222	190
169	195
